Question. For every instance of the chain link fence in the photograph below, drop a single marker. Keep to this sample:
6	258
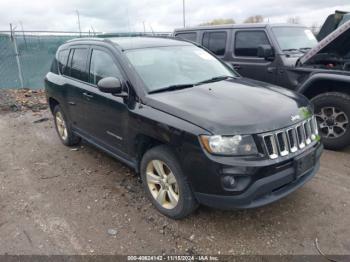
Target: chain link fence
26	56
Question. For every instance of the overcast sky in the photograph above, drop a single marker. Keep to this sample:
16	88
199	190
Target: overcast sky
161	15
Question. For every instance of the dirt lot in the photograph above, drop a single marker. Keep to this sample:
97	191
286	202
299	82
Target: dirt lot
57	200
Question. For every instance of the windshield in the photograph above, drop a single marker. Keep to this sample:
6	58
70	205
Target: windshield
162	67
294	38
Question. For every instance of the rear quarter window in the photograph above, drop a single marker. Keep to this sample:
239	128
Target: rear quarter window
187	36
62	59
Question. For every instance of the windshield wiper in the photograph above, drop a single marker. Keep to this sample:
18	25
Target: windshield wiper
171	88
304	49
214	79
183	86
290	50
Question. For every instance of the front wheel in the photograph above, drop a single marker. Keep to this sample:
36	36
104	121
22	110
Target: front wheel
332	111
165	184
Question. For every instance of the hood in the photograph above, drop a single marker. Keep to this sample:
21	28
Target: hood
337	43
237	106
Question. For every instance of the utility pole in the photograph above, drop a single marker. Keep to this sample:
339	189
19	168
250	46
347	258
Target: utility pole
144	27
93	30
79	22
13	39
183	13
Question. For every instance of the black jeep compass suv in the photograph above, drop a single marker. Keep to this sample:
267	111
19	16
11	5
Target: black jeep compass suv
195	130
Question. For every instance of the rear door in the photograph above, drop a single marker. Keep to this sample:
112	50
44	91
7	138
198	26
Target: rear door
215	41
76	78
245	58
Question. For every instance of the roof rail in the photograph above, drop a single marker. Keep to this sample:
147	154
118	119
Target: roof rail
85	38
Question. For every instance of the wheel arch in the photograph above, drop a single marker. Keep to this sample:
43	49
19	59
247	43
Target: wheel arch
142	144
52	103
324	83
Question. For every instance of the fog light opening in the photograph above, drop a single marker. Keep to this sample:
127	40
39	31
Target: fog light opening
229	182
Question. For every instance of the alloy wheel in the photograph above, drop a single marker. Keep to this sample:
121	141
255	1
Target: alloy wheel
162	184
61	126
332	121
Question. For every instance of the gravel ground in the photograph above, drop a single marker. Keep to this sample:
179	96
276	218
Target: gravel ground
57	200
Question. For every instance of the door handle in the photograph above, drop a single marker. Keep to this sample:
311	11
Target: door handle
88	95
236	67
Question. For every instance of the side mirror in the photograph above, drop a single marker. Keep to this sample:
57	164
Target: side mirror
110	85
267	52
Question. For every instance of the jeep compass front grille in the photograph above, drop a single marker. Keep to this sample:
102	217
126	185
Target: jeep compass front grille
290	140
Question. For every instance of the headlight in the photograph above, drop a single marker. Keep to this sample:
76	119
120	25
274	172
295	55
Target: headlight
229	145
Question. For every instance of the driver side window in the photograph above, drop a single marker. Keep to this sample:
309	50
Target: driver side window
102	65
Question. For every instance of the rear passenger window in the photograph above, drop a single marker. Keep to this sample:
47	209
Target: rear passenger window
77	63
215	42
247	43
188	36
62	60
102	65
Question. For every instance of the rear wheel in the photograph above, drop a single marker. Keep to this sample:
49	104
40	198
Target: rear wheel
63	128
332	112
165	183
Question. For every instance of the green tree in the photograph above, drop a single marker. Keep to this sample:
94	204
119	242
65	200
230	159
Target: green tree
255	19
219	21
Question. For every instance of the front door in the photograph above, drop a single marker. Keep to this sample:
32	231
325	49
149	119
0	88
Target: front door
245	58
106	114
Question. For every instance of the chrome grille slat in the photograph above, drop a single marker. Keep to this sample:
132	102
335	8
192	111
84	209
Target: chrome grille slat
271	146
282	143
301	136
292	139
307	127
289	140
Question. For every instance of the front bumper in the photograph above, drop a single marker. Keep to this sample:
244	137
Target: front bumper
265	190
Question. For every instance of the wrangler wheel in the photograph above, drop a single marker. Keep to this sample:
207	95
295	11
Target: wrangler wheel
332	111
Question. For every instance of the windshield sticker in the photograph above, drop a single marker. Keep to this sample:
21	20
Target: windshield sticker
310	35
204	55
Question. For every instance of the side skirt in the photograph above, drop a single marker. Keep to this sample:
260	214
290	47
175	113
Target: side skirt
130	163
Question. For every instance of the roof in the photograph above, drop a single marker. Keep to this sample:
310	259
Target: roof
127	43
235	26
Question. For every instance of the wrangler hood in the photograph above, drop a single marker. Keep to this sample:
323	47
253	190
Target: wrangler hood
237	106
337	43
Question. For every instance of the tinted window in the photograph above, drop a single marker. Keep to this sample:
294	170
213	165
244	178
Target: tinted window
215	42
247	43
102	65
78	64
188	36
62	60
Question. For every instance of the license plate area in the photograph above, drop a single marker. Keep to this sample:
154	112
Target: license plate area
304	163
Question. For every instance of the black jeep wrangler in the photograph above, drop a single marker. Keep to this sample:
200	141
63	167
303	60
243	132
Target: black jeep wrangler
194	130
290	56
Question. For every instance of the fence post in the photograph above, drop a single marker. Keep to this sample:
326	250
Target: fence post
13	39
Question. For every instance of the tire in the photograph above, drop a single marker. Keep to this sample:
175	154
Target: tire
335	131
186	203
69	138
